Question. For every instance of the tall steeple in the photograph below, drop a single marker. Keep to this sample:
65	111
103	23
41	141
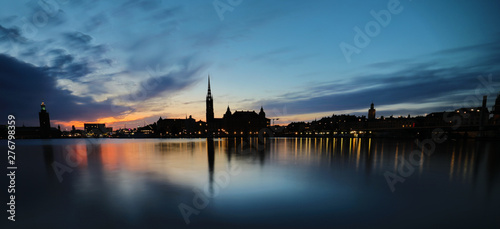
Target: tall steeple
262	114
210	109
43	117
228	113
209	91
371	112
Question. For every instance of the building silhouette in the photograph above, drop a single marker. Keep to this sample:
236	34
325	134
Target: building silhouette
43	131
44	119
371	112
96	129
237	123
179	127
210	111
231	124
471	121
495	112
244	122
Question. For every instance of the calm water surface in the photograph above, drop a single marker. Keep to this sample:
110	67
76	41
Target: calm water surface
228	183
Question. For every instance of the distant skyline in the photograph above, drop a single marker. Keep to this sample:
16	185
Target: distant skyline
130	62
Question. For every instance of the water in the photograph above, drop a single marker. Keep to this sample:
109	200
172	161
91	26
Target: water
281	183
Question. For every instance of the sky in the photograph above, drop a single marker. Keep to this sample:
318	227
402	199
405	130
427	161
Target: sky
127	63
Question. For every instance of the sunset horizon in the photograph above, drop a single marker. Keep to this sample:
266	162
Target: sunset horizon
250	114
125	69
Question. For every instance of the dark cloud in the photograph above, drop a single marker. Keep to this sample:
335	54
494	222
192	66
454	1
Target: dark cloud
424	87
78	40
414	83
62	60
12	35
158	83
194	102
470	48
65	65
107	61
96	22
9	19
23	87
77	70
81	57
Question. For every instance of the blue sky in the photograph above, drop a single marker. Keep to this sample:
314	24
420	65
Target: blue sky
130	62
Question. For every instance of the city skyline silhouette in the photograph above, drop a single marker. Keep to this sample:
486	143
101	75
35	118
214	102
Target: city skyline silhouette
109	67
250	114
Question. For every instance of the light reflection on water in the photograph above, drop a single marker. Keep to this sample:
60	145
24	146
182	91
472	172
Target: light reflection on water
281	182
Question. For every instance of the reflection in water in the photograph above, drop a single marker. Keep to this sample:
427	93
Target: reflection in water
96	163
372	156
290	182
485	157
48	158
211	157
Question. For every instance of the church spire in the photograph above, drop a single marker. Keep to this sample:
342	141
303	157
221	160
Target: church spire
43	117
262	113
210	110
371	112
209	91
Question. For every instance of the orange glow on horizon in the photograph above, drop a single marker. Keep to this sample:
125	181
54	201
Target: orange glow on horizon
115	122
106	120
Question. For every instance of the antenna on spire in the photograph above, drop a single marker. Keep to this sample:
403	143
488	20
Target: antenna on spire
209	91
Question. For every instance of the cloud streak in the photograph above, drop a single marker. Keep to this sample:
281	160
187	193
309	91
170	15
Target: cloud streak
105	54
430	82
24	86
